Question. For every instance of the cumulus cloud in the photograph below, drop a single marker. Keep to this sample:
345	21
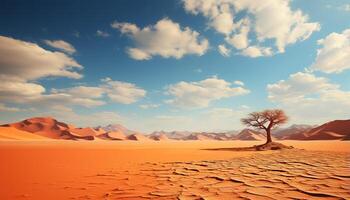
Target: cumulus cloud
240	39
122	92
149	106
102	34
270	20
256	51
82	91
223	50
200	94
22	62
310	98
166	39
28	61
61	45
334	56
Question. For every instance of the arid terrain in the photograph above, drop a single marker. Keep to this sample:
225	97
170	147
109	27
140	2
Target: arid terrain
61	169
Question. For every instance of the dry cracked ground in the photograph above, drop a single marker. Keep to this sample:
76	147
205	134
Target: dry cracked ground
288	174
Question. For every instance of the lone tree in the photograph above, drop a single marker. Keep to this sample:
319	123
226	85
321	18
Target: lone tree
265	120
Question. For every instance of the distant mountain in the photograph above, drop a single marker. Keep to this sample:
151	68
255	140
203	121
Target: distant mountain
210	136
285	133
117	127
176	135
198	136
187	135
334	130
138	137
249	134
39	128
159	137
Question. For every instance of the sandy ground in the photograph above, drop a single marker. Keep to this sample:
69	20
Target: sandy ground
172	170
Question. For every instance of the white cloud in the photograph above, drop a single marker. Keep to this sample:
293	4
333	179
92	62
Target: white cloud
240	39
123	92
270	20
223	23
22	64
149	106
223	50
256	51
201	93
28	61
237	82
102	34
61	45
82	91
310	99
334	56
166	39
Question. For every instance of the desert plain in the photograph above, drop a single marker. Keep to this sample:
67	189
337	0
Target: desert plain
61	169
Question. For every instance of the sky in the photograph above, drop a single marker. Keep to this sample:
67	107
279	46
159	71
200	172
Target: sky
197	65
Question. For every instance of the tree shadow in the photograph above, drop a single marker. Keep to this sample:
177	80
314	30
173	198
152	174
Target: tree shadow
262	147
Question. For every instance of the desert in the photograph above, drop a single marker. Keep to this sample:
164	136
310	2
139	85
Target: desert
174	100
123	164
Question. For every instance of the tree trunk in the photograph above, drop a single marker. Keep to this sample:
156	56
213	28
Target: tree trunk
268	136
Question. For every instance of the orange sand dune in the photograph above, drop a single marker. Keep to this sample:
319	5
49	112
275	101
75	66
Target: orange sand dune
160	137
61	169
15	134
138	137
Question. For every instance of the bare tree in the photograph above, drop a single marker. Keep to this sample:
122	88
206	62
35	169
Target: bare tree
265	120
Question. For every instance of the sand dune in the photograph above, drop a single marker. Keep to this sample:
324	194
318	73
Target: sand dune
15	134
285	133
51	128
138	137
159	137
248	134
42	126
117	127
48	127
113	135
337	129
85	131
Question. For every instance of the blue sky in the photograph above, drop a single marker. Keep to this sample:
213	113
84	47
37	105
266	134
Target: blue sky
174	65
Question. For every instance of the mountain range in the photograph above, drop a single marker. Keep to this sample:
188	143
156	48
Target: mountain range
41	128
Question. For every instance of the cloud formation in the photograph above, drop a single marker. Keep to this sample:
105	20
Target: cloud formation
200	94
266	20
122	92
28	61
334	56
223	50
166	39
149	106
22	64
61	45
311	98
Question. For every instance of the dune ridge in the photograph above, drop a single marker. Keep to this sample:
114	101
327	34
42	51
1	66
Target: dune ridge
50	128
